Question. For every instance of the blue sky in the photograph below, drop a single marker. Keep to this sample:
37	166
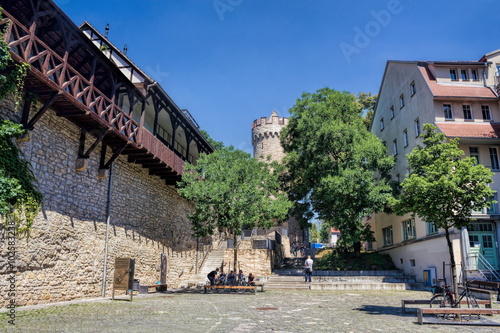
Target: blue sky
230	62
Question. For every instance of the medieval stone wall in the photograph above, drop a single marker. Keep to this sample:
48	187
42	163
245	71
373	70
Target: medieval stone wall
255	261
64	257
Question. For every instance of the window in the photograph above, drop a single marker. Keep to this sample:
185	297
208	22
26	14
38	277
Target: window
392	111
387	235
494	158
401	101
474	153
431	228
398	178
464	75
498	70
448	113
467	112
481	227
409	229
473	240
493	208
412	88
453	74
417	127
473	74
485	109
487	241
395	146
405	138
381	124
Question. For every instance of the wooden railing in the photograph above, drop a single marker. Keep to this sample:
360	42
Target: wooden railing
58	74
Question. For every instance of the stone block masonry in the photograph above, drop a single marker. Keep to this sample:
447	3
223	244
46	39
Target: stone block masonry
255	261
64	257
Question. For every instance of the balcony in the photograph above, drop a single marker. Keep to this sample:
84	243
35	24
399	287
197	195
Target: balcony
70	75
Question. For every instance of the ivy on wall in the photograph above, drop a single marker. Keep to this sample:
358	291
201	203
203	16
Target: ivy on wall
20	200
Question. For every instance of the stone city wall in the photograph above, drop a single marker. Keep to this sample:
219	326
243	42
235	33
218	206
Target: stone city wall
255	261
64	257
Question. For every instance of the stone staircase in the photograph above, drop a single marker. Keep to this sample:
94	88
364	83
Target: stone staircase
340	280
292	277
213	260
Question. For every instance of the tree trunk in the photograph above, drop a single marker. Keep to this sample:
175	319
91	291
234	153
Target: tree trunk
357	249
235	252
453	265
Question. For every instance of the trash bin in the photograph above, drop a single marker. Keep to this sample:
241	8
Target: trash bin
136	284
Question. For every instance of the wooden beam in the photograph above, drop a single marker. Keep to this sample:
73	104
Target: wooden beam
31	124
116	152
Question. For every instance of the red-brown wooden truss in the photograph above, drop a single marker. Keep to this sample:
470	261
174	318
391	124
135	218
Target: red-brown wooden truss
70	75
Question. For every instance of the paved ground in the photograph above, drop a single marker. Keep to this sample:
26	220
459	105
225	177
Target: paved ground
269	311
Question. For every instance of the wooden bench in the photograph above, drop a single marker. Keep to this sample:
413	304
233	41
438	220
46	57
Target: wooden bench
487	303
260	285
486	287
159	287
456	311
207	287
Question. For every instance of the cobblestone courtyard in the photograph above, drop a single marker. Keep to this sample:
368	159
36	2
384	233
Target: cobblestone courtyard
269	311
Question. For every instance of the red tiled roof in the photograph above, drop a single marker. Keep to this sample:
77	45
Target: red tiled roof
451	90
332	230
470	130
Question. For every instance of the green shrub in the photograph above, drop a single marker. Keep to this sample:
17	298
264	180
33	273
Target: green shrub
335	261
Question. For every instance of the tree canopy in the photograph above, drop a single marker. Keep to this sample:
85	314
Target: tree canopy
335	166
443	187
366	103
232	190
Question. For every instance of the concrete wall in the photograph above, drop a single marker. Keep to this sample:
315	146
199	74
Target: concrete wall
64	257
415	257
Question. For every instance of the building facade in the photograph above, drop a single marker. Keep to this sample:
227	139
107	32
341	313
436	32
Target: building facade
461	99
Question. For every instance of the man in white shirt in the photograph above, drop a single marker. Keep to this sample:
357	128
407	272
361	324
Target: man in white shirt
308	268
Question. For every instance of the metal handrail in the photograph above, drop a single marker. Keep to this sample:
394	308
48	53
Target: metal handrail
481	263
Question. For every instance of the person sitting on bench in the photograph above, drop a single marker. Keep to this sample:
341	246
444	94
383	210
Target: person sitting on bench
241	277
222	278
251	279
231	278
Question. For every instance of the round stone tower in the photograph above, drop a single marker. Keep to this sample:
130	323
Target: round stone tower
266	137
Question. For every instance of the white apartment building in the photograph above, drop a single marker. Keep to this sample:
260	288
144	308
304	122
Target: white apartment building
461	99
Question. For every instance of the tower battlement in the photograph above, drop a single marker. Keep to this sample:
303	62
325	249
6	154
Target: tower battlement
273	119
266	137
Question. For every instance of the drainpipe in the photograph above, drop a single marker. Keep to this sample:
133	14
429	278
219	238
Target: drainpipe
108	220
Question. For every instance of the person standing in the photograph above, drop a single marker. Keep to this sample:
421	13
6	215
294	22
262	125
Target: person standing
308	268
295	248
211	276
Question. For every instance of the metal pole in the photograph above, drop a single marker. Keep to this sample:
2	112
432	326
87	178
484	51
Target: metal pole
108	220
197	248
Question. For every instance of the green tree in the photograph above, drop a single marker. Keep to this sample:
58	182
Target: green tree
215	144
335	166
443	188
232	190
314	233
366	103
324	232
